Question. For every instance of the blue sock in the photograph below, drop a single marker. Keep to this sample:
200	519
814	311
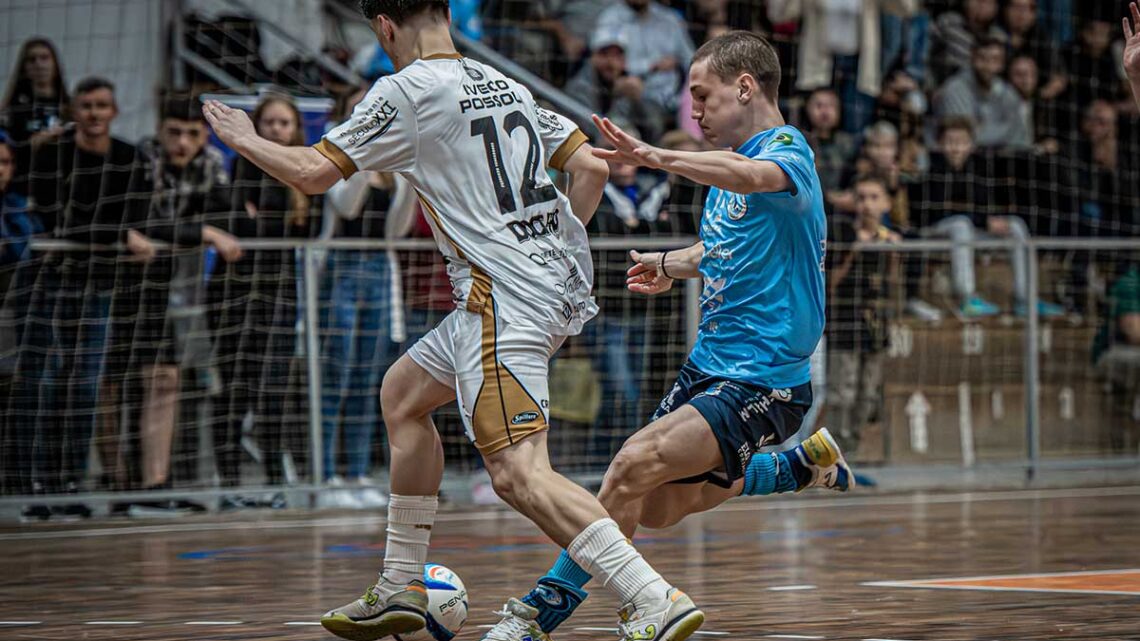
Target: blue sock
760	477
793	474
771	474
558	593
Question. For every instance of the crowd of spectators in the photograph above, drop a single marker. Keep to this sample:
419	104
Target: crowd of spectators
959	120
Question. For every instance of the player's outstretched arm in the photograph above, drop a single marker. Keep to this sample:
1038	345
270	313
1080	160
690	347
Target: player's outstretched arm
1132	50
588	177
301	167
724	169
654	272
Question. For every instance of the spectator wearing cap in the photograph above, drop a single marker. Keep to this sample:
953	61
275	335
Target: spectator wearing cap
658	47
605	86
840	45
955	36
982	95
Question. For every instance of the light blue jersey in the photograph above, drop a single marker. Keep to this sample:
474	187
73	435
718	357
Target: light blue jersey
762	310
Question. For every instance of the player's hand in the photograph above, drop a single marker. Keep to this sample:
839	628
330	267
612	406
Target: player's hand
141	247
1132	42
627	150
231	125
645	276
228	247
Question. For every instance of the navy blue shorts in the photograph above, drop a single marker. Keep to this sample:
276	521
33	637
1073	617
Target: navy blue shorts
743	417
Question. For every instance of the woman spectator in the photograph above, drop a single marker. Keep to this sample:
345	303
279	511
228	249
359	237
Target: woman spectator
254	308
362	320
1027	38
35	104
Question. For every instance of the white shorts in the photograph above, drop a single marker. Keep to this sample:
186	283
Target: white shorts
499	372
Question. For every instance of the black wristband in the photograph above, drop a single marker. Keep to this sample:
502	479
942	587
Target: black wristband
661	266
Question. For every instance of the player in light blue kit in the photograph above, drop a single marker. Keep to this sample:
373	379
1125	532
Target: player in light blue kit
747	383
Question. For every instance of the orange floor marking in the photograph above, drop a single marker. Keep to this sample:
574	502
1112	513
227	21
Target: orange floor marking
1121	582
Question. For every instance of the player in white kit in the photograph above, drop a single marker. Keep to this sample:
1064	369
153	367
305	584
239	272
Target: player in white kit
475	146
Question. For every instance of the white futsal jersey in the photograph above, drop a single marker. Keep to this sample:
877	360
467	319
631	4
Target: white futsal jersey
475	146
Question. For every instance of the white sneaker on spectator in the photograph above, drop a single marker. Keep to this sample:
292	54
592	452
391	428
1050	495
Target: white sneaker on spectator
923	311
367	494
338	497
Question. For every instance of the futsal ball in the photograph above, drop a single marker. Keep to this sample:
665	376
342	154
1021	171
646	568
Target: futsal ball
447	606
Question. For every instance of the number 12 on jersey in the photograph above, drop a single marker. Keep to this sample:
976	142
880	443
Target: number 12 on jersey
532	194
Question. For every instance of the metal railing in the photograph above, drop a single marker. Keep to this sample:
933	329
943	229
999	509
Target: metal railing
1029	332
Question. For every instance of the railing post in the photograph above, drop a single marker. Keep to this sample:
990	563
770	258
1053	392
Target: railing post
1032	363
313	364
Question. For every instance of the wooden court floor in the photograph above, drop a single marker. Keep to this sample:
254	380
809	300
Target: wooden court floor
1042	564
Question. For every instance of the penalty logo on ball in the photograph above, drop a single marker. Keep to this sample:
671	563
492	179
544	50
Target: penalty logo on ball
447	606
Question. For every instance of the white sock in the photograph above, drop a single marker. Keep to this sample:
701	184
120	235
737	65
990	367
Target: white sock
409	531
605	552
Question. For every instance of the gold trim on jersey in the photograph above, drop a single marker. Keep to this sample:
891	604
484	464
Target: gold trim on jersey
342	160
567	149
481	283
504	413
444	56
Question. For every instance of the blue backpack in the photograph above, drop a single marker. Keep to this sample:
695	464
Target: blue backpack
17	226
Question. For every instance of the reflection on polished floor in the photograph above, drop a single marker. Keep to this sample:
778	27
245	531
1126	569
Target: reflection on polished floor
1032	564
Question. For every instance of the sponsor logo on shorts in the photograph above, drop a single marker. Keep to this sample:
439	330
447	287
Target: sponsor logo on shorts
755	407
524	417
745	453
782	395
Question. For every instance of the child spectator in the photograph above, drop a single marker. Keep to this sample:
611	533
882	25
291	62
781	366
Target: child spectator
857	288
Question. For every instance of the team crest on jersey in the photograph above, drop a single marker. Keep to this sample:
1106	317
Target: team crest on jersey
737	206
474	74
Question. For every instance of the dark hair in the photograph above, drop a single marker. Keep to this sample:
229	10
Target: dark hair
985	42
739	52
874	178
93	83
956	123
299	202
21	84
400	10
181	107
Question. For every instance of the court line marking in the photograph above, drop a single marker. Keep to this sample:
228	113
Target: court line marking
302	623
614	630
931	583
791	636
976	588
113	623
15	623
790	588
215	623
742	506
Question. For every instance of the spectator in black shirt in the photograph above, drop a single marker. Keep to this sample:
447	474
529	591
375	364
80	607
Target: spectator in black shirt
167	335
958	200
82	184
253	305
1027	38
857	288
35	103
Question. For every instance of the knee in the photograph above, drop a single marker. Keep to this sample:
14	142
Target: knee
511	485
395	401
1017	228
637	468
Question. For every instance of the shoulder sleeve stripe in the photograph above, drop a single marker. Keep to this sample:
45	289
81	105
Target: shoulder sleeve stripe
342	160
567	149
